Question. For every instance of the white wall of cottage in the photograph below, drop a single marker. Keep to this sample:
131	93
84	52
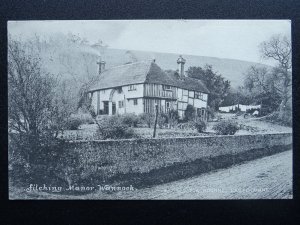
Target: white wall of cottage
184	97
136	109
126	95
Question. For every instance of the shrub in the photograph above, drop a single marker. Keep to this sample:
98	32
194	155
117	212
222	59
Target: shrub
113	128
73	123
173	117
162	120
211	112
173	114
147	118
190	125
189	113
130	119
32	162
200	125
226	127
285	119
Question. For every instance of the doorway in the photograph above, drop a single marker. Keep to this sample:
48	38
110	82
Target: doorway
114	108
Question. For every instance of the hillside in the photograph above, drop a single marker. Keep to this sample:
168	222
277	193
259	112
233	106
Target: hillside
77	61
231	69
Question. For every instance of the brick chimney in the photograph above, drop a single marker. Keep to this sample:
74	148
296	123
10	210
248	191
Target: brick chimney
181	61
101	64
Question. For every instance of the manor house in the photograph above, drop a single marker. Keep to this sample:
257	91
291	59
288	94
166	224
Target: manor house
137	87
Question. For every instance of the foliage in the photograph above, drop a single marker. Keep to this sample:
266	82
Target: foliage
261	84
147	118
130	119
162	119
38	103
216	84
210	112
227	127
239	96
189	113
73	123
189	125
273	87
200	125
286	120
173	117
279	48
112	127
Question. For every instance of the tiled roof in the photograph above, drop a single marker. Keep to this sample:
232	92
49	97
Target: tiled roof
132	73
188	83
144	72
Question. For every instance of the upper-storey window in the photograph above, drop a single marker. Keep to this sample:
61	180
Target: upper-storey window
167	88
132	87
199	95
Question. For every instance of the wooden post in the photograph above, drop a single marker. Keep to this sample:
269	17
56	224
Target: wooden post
156	115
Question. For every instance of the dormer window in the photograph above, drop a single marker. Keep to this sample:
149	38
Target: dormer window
132	87
167	88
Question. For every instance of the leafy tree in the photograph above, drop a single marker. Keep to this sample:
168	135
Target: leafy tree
216	84
37	103
260	83
238	96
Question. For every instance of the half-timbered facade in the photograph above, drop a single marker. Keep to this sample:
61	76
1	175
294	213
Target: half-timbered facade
137	87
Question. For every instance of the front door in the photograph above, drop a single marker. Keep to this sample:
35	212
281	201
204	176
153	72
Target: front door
113	108
106	108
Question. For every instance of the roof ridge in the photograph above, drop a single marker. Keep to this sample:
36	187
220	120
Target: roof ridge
128	64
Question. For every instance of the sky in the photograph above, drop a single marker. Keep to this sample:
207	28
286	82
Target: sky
234	39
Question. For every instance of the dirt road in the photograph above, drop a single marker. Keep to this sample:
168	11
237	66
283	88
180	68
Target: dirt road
266	178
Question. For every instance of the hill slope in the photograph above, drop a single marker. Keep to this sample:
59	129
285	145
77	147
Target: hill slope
231	69
75	61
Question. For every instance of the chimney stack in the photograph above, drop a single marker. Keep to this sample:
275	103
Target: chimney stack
181	61
101	64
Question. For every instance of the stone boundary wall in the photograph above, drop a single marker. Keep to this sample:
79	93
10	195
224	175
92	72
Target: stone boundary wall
143	155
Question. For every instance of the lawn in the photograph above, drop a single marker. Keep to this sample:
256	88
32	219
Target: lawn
247	126
89	132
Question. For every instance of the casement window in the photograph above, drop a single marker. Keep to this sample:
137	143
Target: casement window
105	107
132	87
121	104
135	101
199	95
180	106
167	88
185	92
167	105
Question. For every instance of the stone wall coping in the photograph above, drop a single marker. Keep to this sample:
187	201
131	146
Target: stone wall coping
177	138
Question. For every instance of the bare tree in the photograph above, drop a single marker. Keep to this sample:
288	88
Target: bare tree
257	79
279	49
